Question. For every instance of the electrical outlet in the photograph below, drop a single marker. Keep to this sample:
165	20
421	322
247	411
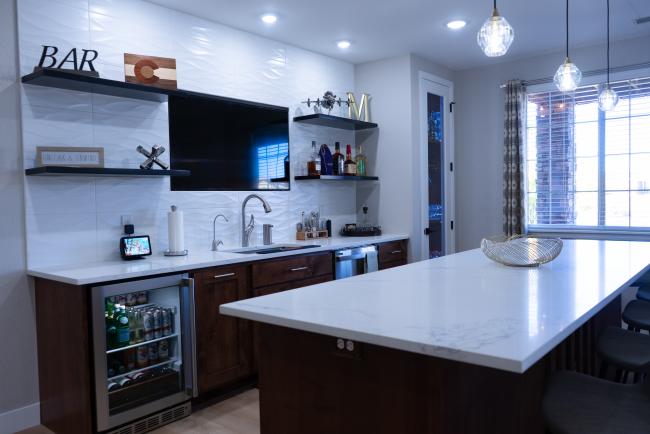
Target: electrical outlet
127	220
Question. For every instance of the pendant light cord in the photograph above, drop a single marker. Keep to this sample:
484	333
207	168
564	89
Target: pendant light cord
567	29
607	43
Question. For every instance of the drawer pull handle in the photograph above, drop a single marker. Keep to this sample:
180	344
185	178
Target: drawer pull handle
300	268
394	252
221	276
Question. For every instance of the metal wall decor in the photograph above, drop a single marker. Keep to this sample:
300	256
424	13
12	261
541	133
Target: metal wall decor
152	157
71	59
356	111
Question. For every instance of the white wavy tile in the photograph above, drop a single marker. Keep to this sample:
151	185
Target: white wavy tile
63	195
60	239
203	199
198	228
129	107
53	98
131	195
110	229
50	23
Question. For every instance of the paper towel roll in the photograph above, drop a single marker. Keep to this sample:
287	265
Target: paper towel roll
175	230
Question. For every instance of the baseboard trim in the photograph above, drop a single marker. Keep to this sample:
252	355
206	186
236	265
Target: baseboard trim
20	418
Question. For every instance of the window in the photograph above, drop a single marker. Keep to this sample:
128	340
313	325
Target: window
587	169
271	163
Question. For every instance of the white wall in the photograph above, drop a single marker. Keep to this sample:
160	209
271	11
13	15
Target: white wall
395	152
18	372
479	130
79	218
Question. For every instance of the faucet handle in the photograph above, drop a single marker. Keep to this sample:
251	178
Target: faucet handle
216	244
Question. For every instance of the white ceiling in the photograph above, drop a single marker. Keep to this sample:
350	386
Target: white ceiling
384	28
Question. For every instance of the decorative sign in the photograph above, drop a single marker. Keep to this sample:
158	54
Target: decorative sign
49	53
359	112
150	70
69	156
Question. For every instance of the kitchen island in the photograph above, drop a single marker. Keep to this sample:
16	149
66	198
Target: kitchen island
457	344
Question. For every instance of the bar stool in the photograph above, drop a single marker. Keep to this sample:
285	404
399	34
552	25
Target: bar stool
637	315
643	293
626	350
579	404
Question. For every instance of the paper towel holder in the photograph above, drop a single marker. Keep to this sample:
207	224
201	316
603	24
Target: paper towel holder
171	252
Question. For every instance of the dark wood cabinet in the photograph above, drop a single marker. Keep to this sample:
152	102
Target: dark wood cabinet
223	343
392	254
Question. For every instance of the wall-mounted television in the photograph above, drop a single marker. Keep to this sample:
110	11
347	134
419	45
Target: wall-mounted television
228	144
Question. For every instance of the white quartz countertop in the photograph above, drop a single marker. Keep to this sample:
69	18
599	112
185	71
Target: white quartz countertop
106	271
463	307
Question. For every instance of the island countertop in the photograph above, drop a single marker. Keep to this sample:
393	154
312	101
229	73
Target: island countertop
463	307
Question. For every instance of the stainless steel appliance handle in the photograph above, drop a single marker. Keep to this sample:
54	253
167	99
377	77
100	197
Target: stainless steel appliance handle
221	276
191	383
299	269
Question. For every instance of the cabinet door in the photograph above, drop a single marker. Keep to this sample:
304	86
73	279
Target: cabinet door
392	254
223	344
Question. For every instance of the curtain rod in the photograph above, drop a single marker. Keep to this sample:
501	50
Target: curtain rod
585	74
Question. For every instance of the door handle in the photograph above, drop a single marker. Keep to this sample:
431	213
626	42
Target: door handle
299	269
427	231
221	276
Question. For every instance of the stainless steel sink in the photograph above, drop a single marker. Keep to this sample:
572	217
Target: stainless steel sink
273	249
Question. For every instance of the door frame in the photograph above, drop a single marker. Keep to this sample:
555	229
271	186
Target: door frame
425	80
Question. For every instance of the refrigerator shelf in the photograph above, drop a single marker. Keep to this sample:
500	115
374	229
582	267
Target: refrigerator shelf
139	344
135	371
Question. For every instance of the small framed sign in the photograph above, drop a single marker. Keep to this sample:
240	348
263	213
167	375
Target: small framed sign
69	156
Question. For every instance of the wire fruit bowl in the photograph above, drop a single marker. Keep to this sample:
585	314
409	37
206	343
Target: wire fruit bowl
521	251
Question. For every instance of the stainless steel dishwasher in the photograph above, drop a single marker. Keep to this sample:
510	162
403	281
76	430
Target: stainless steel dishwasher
355	260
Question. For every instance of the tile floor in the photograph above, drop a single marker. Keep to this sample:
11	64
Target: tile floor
237	415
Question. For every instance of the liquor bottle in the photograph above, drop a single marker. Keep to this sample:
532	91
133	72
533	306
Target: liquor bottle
338	160
122	325
313	165
326	163
350	167
362	162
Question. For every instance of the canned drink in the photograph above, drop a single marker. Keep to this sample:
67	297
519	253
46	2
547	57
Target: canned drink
163	350
166	322
113	386
142	297
131	298
142	358
138	376
157	324
121	299
148	325
153	353
125	381
130	357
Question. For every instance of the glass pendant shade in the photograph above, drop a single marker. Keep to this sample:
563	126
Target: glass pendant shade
568	76
607	98
495	35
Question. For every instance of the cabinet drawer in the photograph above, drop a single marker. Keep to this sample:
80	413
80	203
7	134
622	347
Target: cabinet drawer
258	292
393	251
289	269
222	274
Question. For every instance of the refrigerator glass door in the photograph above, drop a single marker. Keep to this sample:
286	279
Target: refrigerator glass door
142	338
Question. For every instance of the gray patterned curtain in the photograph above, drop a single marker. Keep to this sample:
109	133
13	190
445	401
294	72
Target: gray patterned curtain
513	159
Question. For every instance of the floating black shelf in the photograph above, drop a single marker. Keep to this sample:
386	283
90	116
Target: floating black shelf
51	77
336	178
101	171
335	122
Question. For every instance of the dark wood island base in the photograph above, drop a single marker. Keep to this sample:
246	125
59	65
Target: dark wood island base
308	385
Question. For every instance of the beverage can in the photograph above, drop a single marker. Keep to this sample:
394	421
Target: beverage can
142	358
163	349
147	321
113	386
139	327
131	298
121	299
166	322
153	353
138	376
125	381
130	356
142	297
157	324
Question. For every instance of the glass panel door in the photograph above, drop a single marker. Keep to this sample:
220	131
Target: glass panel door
435	161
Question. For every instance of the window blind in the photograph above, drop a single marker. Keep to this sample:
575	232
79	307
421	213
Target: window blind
270	162
586	168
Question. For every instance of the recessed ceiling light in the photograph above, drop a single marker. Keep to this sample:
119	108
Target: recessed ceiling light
456	24
343	44
269	18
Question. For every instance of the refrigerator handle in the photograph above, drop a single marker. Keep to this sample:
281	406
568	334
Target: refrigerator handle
190	339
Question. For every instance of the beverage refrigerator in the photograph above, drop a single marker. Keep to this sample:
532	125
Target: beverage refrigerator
144	359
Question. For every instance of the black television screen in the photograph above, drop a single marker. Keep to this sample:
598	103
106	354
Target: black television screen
228	144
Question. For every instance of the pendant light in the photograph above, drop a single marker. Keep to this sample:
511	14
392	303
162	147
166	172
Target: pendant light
495	35
607	98
568	76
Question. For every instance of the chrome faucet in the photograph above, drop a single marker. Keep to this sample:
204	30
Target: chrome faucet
247	229
216	243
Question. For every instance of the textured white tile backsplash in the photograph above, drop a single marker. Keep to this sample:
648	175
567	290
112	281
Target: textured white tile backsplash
70	220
